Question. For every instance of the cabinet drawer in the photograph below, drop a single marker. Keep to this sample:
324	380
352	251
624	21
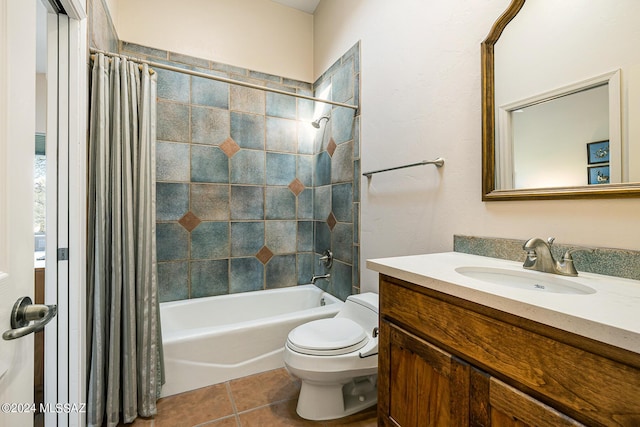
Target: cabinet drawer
588	387
512	408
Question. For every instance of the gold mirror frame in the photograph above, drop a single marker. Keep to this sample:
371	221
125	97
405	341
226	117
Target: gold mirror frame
489	191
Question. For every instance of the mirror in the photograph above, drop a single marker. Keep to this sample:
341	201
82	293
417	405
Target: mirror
572	63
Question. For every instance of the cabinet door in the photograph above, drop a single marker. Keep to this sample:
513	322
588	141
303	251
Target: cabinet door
420	384
513	408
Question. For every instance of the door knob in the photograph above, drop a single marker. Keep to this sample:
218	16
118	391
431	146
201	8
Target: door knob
24	312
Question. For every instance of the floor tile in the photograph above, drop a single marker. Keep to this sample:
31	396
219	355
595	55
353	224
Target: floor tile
366	418
264	388
226	422
267	399
138	422
195	407
278	414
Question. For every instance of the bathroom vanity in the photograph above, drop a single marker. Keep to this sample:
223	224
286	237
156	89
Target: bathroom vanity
459	349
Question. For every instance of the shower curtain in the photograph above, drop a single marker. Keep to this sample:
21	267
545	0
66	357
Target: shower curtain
124	343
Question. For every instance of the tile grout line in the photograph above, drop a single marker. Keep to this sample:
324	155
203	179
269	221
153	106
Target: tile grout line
266	405
210	422
233	402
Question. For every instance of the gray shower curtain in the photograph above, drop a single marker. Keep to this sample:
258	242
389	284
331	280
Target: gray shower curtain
124	343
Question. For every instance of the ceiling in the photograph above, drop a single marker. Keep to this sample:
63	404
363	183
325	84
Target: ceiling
308	6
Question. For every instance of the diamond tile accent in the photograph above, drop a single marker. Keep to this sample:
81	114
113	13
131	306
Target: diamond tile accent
331	221
189	221
331	147
296	186
264	255
229	147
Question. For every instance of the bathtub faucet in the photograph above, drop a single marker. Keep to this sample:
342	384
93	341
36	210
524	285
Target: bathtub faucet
324	276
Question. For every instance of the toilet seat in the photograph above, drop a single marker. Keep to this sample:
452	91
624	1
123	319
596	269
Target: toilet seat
327	337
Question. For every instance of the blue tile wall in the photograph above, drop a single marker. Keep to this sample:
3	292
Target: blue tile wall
305	204
281	106
172	161
342	202
174	125
281	271
280	203
247	202
208	164
337	175
209	202
209	125
173	280
209	277
248	167
210	240
172	241
305	266
282	135
247	274
281	168
247	130
247	238
249	195
281	236
209	92
172	201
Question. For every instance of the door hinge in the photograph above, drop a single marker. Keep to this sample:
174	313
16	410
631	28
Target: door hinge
63	254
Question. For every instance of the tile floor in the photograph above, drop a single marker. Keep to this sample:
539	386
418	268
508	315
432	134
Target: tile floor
266	399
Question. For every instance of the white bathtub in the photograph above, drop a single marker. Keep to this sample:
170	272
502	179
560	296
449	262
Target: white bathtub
215	339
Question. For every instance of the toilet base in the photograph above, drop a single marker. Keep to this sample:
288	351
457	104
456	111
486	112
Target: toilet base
322	401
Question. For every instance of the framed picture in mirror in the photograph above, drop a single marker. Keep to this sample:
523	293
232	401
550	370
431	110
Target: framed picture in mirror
598	175
598	152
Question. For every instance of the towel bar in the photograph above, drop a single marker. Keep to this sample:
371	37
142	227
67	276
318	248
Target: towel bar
439	162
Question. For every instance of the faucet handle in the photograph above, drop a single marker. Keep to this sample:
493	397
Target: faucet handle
567	267
326	258
550	240
568	255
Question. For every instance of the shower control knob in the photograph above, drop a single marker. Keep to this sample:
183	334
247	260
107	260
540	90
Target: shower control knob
327	258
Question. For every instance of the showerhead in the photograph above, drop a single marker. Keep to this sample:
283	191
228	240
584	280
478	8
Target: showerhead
316	123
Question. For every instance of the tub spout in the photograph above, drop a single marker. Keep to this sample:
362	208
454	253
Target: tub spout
324	276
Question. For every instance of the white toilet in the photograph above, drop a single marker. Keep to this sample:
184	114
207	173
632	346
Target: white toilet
336	360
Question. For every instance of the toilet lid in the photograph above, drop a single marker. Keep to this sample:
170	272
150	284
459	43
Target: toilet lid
327	337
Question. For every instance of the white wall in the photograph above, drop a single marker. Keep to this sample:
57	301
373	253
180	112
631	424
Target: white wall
421	99
41	103
260	35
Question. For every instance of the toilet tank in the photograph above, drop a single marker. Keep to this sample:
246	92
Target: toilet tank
362	309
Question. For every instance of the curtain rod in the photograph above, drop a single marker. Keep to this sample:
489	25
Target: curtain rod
221	79
140	67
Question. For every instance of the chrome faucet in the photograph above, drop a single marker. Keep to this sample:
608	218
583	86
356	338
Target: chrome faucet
540	257
323	276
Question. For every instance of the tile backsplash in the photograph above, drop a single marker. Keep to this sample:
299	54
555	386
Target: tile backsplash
611	262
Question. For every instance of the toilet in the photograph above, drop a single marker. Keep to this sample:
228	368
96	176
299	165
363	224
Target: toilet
336	360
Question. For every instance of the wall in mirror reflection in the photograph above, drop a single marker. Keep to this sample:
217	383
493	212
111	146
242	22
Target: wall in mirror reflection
557	151
552	44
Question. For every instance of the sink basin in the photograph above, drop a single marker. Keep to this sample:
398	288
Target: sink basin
527	280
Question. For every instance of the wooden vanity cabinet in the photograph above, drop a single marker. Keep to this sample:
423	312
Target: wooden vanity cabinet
449	362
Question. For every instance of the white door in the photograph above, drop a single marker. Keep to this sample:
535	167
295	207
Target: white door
17	128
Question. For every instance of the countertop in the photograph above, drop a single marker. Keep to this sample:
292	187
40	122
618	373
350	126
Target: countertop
610	315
